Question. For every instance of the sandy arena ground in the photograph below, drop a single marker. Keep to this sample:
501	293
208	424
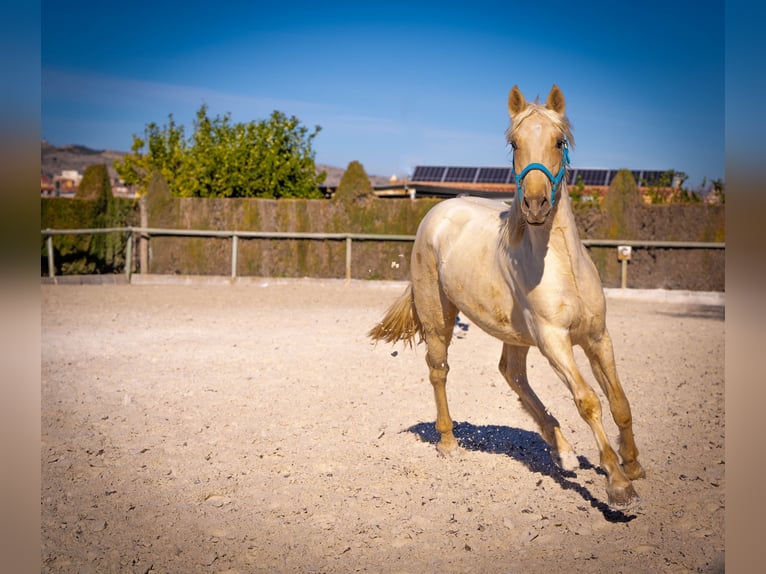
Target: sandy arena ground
254	428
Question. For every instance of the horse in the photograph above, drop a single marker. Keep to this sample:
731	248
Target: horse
520	272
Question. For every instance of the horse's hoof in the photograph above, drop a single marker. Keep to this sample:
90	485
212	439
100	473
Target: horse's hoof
448	451
566	460
622	497
634	470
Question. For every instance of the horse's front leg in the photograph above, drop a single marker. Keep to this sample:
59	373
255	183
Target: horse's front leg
513	366
601	356
555	344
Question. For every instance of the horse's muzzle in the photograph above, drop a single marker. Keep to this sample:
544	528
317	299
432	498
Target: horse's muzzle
535	209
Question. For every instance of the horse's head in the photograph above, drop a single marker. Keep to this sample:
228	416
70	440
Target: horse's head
540	136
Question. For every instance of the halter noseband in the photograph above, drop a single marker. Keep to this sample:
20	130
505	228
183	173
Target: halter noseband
555	181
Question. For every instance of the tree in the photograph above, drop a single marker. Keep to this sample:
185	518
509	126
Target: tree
354	185
270	158
621	204
95	184
576	193
286	158
669	188
166	148
105	250
719	191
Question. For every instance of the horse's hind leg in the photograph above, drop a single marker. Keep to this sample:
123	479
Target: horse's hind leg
601	356
513	366
437	316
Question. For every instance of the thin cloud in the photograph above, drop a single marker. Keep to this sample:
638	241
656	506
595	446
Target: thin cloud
363	123
73	87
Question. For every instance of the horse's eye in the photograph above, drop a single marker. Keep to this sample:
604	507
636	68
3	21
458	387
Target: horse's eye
560	144
513	145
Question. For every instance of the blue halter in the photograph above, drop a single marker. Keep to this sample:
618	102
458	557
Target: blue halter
555	181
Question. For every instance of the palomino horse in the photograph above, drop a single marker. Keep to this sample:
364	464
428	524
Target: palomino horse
520	273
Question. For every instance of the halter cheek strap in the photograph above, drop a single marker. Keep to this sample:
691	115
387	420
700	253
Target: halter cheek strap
555	180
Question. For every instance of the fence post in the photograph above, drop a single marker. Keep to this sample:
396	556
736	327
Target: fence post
348	258
129	255
234	243
624	274
624	253
51	263
143	238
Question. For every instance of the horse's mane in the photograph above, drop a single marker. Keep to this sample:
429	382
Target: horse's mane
560	121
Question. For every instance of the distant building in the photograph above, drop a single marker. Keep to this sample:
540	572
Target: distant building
65	184
47	189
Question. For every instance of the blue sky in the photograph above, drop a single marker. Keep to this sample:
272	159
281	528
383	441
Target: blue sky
394	85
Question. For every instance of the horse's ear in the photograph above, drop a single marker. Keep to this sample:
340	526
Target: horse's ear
516	101
555	100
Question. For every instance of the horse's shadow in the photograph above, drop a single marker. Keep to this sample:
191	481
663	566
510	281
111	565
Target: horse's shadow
526	447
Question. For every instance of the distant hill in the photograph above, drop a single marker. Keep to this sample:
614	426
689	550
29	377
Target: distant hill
335	173
55	159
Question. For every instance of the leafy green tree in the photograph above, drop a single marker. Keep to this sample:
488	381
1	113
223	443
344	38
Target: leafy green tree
576	193
669	187
286	160
270	158
166	150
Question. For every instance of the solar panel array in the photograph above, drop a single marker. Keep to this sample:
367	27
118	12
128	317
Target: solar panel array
428	173
445	174
504	175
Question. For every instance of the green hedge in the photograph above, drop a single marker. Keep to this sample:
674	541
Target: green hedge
650	268
79	254
282	258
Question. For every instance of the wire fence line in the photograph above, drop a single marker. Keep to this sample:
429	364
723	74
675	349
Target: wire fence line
145	233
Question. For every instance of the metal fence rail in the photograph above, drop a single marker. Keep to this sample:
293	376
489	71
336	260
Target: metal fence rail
233	235
146	232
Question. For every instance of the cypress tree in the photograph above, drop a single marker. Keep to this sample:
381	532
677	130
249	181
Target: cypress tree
621	204
105	249
354	185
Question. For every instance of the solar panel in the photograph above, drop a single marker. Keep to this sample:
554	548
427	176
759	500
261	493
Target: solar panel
652	177
593	176
495	175
505	175
428	173
574	175
461	174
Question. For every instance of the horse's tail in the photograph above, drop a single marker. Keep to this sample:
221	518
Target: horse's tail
400	323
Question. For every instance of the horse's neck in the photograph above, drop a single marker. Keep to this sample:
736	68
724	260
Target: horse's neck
564	225
561	231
